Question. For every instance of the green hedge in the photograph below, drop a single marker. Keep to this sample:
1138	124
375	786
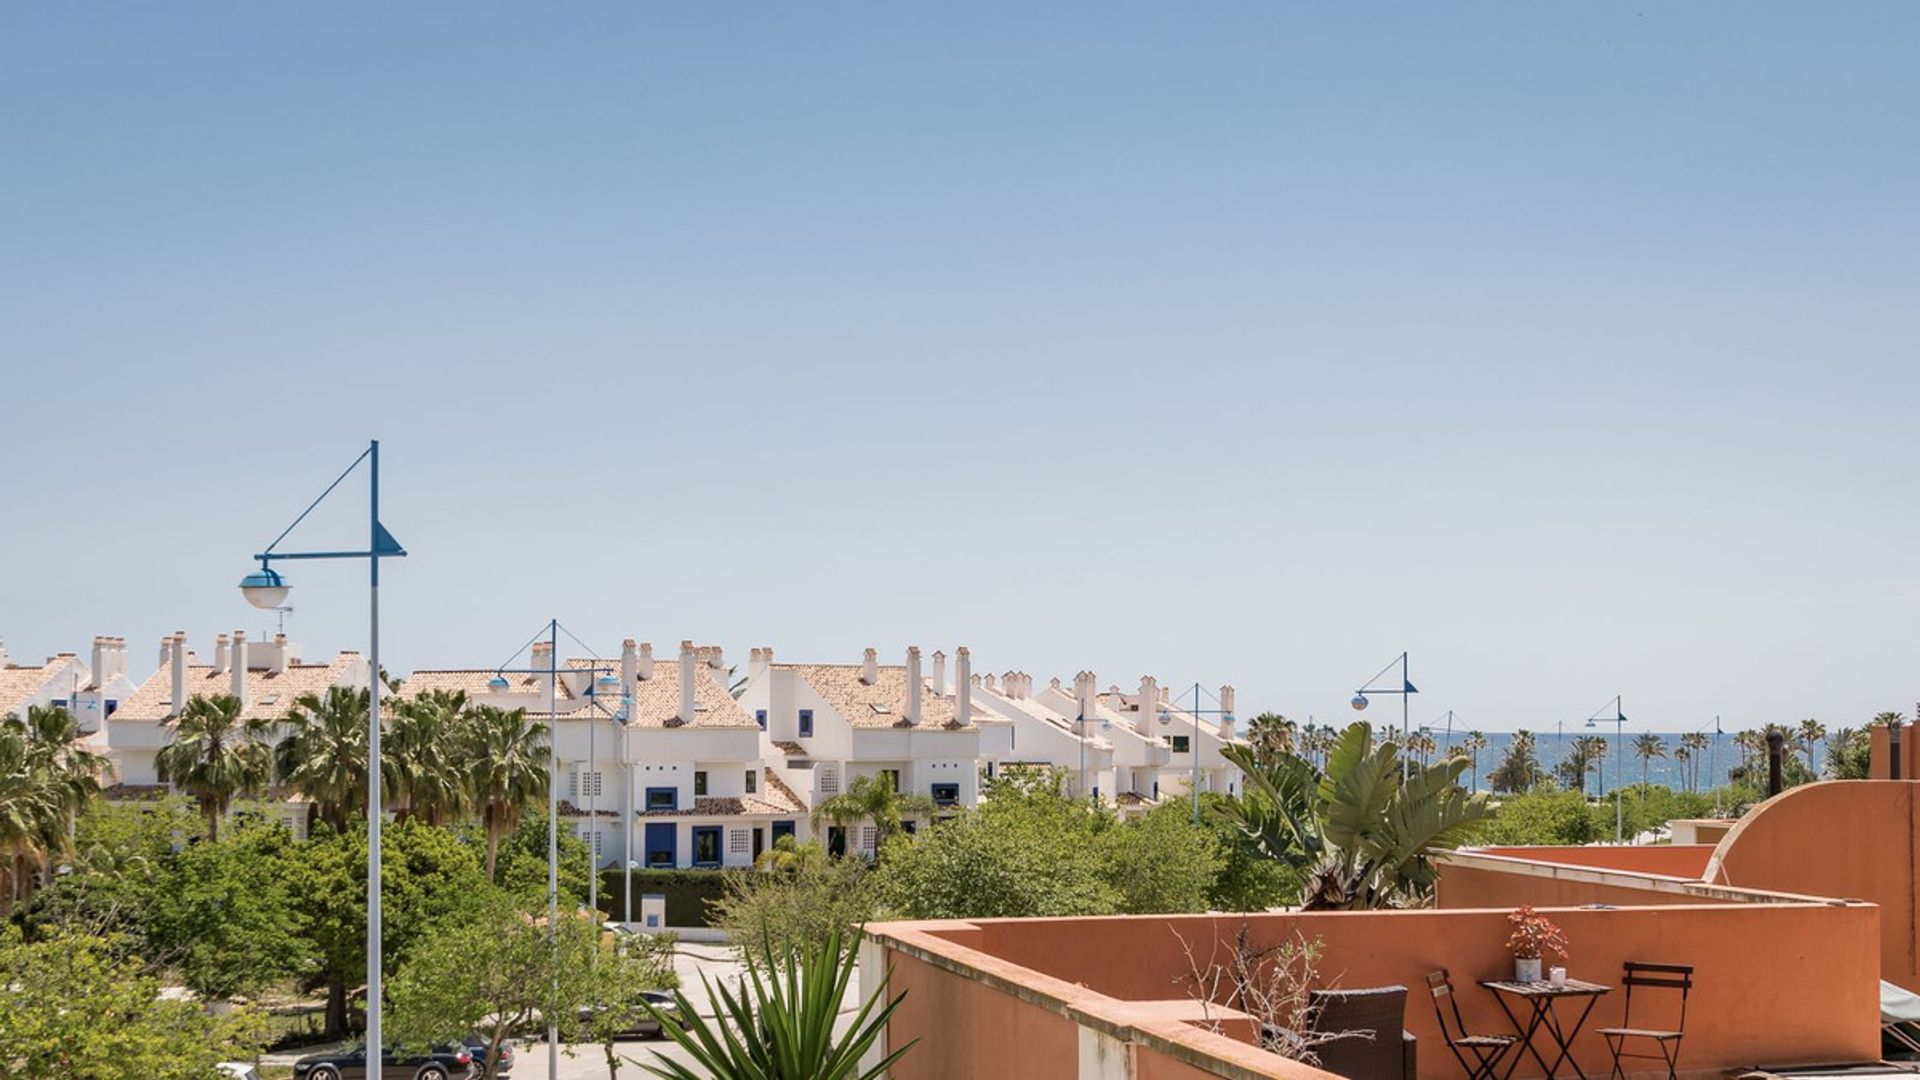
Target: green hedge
688	893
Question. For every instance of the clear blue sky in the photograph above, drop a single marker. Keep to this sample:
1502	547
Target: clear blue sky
1571	347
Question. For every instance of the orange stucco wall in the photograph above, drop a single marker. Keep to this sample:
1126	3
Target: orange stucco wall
1776	982
1477	887
1878	758
1845	839
1671	860
968	1029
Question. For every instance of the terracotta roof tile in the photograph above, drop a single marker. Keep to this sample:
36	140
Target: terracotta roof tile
270	696
656	701
880	705
19	682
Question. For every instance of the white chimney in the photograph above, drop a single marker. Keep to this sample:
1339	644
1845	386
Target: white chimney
962	686
541	663
119	657
239	666
990	684
279	661
99	660
717	658
1226	712
914	686
687	704
629	664
177	660
1087	689
220	654
643	664
939	673
1147	705
870	668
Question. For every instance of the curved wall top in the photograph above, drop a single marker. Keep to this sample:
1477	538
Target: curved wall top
1844	839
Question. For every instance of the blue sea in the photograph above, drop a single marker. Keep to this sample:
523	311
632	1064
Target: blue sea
1551	749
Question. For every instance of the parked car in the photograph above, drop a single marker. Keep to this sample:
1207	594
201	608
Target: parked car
443	1063
641	1024
476	1045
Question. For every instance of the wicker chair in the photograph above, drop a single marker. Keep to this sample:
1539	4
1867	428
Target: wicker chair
1373	1015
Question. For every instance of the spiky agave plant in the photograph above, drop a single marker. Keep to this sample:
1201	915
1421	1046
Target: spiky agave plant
779	1026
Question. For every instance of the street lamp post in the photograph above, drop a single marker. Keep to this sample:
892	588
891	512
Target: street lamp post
267	589
1713	765
1193	748
1618	720
1405	690
594	672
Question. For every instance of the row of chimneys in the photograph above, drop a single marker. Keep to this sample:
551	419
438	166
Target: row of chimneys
636	666
233	656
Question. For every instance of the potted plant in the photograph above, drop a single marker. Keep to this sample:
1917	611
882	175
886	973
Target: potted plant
1534	936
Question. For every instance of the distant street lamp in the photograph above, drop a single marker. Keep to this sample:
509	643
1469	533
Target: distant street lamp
1405	690
267	589
1193	748
1618	720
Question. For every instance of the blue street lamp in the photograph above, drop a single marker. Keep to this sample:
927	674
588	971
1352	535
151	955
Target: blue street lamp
1193	748
1405	691
598	677
1619	721
267	588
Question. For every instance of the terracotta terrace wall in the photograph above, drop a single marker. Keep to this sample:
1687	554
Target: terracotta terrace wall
1668	860
1846	839
1777	982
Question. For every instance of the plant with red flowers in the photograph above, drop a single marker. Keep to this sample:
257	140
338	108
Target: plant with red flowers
1534	935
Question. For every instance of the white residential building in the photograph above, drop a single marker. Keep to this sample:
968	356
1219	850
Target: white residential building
266	676
1152	713
654	759
89	689
826	725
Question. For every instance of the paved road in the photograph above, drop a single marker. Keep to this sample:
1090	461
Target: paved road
588	1061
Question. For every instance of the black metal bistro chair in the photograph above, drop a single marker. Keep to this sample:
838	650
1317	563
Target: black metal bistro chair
1657	978
1485	1051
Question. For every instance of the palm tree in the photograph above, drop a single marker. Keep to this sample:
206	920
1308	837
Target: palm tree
1364	836
872	798
419	757
1695	743
1809	735
47	777
216	756
1270	734
1519	770
505	759
1473	744
1646	747
324	755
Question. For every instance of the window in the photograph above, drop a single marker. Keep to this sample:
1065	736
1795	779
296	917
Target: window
782	828
663	798
699	781
706	845
594	838
868	836
739	841
112	704
806	723
760	717
828	780
909	826
946	794
753	781
893	777
1180	743
836	840
585	784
